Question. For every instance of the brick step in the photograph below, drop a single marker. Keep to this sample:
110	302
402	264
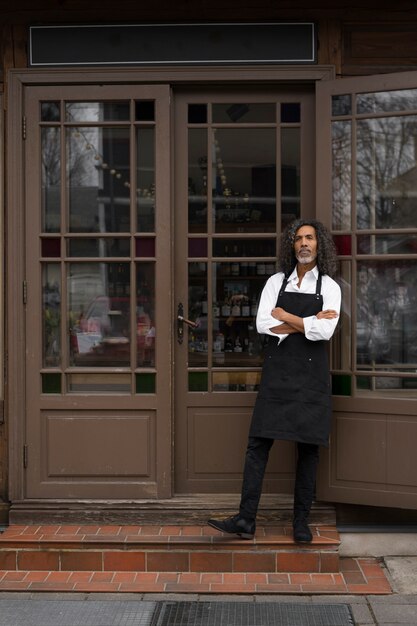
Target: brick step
163	548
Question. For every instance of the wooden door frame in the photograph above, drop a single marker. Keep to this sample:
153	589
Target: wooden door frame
18	79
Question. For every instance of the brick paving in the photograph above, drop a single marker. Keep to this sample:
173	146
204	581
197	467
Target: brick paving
180	559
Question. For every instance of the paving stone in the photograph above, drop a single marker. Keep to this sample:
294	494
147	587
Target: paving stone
403	573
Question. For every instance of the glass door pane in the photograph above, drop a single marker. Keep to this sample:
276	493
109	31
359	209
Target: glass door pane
98	239
374	185
244	181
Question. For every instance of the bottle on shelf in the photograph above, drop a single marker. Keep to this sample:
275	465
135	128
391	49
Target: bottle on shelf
228	346
245	308
245	311
225	310
218	343
253	306
235	268
236	310
238	345
260	268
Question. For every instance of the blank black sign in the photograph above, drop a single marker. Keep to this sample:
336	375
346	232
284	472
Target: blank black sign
176	44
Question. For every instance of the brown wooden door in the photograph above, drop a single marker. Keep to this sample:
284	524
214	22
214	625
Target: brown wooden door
97	292
244	167
367	189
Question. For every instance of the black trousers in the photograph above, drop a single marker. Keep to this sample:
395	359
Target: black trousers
256	459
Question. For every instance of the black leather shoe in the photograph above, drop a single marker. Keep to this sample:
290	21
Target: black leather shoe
302	533
235	525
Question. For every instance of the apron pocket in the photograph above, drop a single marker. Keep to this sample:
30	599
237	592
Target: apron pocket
283	375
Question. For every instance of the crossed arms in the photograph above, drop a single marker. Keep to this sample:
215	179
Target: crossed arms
294	324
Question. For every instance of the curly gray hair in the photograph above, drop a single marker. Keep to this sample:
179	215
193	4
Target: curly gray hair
326	250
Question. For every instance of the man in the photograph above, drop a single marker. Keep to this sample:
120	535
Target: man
298	310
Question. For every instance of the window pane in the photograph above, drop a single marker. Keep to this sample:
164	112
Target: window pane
50	112
145	383
145	246
197	180
145	314
99	314
51	383
290	174
341	175
386	165
197	381
405	387
244	180
244	113
197	113
387	313
244	248
51	314
100	383
145	179
290	112
387	244
236	381
51	247
385	101
235	341
197	312
98	247
341	384
342	104
343	244
97	111
98	168
145	110
341	344
197	247
51	179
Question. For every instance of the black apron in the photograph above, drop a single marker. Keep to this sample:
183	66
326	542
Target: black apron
294	399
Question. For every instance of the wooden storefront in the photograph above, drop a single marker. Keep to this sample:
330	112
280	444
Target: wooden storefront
135	194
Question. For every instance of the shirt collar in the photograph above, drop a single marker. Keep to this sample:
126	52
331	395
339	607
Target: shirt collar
294	276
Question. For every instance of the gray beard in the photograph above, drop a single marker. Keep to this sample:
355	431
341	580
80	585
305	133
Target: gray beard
304	260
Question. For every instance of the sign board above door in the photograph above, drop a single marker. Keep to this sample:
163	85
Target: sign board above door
173	44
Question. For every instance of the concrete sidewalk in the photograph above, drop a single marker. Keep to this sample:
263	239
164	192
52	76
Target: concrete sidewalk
55	609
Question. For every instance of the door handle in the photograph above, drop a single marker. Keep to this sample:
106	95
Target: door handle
181	320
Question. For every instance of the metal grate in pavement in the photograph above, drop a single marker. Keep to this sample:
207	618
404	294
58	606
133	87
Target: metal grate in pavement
34	612
247	614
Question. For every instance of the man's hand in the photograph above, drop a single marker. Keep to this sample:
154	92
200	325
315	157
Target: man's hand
328	314
279	313
293	321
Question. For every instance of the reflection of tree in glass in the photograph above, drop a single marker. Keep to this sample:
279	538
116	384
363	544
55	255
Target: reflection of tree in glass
386	171
341	174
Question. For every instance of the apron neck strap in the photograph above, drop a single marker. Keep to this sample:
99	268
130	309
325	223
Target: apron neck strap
318	286
283	286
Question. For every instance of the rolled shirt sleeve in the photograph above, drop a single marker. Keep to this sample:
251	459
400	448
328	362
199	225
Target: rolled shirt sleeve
269	296
319	330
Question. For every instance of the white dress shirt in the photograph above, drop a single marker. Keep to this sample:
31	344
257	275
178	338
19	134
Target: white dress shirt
314	329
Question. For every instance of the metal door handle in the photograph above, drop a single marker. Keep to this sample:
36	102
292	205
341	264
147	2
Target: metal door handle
181	320
188	322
